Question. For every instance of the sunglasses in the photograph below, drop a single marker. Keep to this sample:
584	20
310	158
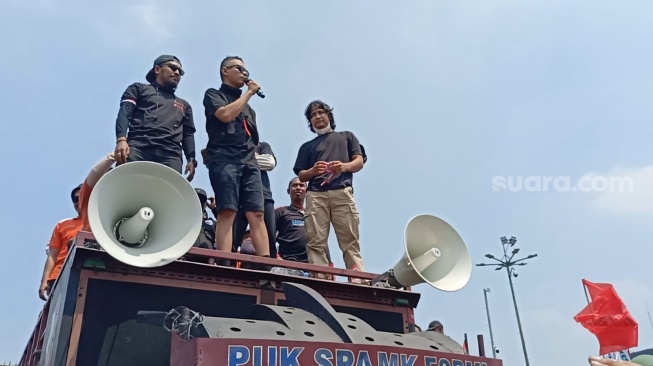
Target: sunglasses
175	68
75	199
240	68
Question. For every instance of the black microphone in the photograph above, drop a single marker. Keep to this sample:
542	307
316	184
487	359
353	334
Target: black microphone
259	92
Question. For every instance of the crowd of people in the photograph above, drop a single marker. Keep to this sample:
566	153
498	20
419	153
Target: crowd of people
156	125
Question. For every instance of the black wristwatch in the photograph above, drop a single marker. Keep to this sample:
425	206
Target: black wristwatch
192	160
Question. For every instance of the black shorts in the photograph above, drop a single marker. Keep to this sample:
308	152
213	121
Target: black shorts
299	257
236	186
155	155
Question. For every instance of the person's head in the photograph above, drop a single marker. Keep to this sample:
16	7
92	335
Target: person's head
296	190
246	246
201	194
436	326
166	71
320	117
74	196
233	71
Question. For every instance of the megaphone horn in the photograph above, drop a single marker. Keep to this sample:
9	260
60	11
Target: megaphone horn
144	214
434	253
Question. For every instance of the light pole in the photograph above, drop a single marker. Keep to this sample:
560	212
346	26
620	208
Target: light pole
489	323
507	262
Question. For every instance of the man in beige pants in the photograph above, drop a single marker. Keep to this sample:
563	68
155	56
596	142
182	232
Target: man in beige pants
327	163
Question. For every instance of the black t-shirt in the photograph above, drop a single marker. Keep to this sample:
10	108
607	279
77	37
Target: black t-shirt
262	149
206	238
233	142
334	146
152	116
291	235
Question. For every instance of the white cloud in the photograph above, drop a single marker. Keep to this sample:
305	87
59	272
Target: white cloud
151	17
145	22
630	190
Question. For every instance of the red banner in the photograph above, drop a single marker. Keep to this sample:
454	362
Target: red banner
608	319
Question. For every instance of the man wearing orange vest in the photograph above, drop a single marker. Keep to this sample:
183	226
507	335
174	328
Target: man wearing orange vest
65	232
62	236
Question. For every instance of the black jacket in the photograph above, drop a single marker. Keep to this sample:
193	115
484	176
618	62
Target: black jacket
152	117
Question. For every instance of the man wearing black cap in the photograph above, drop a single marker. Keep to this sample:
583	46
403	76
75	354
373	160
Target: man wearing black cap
436	326
231	155
155	125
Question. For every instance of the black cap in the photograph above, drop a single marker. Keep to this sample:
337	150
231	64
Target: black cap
151	76
201	193
434	324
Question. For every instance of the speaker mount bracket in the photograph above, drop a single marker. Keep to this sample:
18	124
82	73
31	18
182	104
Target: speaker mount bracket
121	239
387	280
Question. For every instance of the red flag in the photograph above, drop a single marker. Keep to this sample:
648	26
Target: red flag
466	345
608	319
595	289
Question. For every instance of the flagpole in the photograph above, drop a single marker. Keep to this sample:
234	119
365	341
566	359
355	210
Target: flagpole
586	295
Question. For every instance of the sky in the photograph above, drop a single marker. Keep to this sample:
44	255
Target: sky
484	113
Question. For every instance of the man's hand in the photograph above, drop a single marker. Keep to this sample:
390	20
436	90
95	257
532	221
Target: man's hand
205	156
43	290
597	361
336	167
211	204
320	167
122	152
252	87
190	170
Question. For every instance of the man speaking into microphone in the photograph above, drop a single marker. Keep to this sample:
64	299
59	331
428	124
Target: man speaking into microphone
231	155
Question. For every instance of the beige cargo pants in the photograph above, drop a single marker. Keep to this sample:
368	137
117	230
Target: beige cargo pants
335	207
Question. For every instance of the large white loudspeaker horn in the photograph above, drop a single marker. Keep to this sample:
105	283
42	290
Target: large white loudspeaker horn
144	214
435	254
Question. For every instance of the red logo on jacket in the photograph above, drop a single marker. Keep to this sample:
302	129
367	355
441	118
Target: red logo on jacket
180	106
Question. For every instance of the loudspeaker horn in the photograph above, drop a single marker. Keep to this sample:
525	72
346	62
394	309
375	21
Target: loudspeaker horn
434	253
144	214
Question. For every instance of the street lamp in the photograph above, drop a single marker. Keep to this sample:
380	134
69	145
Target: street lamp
507	262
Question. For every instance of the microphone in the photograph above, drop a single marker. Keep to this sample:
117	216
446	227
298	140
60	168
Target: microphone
259	92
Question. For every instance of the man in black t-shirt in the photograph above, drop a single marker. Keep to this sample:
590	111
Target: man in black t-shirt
289	221
327	163
231	152
154	124
266	162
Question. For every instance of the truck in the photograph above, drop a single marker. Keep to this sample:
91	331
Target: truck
189	311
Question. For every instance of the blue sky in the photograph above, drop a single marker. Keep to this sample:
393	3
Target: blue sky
444	95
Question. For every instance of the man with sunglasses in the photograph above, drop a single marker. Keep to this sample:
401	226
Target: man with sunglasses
154	124
231	155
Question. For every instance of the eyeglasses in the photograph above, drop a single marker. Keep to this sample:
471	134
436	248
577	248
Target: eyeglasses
76	199
174	68
240	68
